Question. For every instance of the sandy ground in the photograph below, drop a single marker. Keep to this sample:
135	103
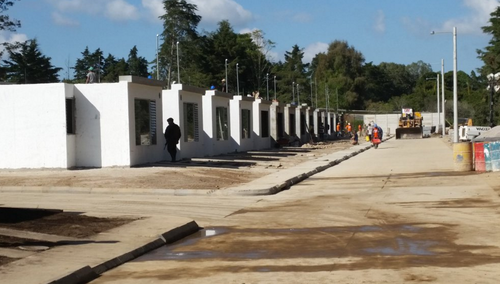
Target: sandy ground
205	173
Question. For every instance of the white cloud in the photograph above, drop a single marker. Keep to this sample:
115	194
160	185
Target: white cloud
9	37
311	50
211	12
214	11
116	10
479	17
379	25
120	10
247	30
63	21
155	8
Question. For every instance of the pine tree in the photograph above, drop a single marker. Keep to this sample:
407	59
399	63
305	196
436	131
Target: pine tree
27	65
137	65
6	23
179	32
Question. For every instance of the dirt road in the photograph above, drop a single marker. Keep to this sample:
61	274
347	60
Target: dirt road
202	173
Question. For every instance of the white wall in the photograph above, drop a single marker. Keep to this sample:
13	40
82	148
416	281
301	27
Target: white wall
140	154
102	125
33	126
273	120
298	111
289	109
211	100
237	104
260	105
173	106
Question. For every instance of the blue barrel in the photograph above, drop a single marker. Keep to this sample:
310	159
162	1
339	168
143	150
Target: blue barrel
487	156
495	156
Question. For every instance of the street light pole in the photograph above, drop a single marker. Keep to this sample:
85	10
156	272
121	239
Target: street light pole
298	95
311	84
237	80
455	94
178	67
293	92
442	97
267	83
316	88
225	65
455	88
157	59
274	87
437	98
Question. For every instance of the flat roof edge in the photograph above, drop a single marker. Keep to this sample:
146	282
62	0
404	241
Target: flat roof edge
141	81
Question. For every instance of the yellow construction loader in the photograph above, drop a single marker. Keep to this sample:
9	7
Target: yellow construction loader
410	125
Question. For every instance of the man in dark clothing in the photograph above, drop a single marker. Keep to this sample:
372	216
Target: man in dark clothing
172	136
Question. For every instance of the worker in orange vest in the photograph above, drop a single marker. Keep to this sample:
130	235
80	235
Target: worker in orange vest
348	127
338	128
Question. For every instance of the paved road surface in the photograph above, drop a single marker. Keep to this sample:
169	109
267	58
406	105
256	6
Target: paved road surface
398	214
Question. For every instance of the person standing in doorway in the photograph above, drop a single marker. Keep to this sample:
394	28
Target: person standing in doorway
172	136
91	78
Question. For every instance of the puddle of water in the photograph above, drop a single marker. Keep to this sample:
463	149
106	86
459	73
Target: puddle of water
230	243
369	229
405	246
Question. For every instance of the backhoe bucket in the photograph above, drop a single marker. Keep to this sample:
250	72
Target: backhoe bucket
409	133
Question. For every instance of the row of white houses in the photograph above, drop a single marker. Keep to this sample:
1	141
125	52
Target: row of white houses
121	124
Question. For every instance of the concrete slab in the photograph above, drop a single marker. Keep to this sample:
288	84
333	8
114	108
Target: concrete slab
68	263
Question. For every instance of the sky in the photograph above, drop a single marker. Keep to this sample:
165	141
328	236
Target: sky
397	31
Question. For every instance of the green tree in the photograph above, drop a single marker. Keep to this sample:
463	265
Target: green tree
400	77
418	69
27	65
341	70
137	65
218	46
89	59
6	23
290	73
490	56
179	30
258	54
113	68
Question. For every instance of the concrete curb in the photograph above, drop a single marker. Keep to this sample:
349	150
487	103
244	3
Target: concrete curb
87	274
294	180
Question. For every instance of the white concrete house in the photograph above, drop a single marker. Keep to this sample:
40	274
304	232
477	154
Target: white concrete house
217	124
277	122
185	105
261	124
84	125
242	126
118	124
35	131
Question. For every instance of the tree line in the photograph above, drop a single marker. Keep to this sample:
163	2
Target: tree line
339	78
